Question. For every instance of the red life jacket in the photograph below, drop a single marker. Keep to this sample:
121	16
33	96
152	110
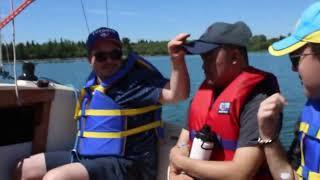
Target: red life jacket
223	113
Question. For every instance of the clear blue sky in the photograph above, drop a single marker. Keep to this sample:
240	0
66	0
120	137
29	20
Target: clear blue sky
151	20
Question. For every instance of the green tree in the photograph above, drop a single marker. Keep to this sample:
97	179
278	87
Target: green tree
126	45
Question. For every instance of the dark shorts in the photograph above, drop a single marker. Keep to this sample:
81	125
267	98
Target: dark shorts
101	168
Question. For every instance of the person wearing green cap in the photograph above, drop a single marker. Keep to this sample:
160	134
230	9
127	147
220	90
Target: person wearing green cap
303	47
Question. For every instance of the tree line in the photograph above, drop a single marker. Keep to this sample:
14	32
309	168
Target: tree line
64	49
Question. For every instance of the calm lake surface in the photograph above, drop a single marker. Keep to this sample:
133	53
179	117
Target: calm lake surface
74	73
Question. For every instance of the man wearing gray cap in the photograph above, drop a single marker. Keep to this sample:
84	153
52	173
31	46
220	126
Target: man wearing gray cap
227	101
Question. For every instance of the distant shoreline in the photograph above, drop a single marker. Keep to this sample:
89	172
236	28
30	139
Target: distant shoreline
66	49
69	50
85	57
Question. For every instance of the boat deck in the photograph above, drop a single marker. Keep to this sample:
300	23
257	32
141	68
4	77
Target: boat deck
172	132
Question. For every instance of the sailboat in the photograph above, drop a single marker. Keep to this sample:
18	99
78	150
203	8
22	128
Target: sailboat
40	119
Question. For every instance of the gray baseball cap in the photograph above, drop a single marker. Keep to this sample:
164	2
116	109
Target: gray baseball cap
220	33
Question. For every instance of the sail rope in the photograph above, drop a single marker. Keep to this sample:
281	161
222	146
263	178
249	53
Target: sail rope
14	55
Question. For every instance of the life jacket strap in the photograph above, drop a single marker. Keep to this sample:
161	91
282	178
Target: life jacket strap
78	105
98	88
305	173
137	130
309	130
119	112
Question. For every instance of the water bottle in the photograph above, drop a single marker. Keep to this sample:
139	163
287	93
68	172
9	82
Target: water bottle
202	144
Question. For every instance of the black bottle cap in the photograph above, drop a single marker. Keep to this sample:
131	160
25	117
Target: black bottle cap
205	134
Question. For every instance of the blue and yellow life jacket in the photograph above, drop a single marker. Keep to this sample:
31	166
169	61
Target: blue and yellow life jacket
102	123
309	134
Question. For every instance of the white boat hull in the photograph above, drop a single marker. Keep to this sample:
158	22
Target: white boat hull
61	127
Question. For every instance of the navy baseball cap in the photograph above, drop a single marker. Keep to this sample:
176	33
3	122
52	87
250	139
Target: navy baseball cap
220	33
103	33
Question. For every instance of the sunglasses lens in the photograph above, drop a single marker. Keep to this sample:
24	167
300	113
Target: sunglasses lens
295	61
115	54
101	56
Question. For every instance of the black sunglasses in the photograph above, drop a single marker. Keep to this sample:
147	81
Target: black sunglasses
102	56
295	58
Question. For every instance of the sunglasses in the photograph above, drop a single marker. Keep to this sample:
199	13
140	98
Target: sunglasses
295	58
102	56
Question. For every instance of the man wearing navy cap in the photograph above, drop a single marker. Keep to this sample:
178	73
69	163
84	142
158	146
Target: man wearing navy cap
118	114
227	101
303	47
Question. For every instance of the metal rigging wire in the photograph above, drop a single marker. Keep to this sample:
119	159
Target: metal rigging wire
85	16
86	19
107	17
3	44
1	62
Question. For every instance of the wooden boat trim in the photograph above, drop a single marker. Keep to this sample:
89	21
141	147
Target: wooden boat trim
41	100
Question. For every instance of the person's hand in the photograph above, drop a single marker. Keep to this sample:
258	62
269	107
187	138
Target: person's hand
173	174
175	48
180	177
176	153
269	115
